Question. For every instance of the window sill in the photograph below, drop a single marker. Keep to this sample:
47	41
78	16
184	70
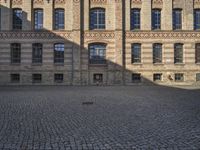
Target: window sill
137	63
157	64
181	64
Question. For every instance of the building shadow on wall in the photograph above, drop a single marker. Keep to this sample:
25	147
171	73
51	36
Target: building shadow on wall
77	67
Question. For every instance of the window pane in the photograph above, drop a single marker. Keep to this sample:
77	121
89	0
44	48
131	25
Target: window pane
37	53
156	19
15	78
197	53
38	18
178	53
136	53
36	78
59	18
136	77
17	19
97	53
15	53
157	53
59	53
177	19
179	77
97	18
58	78
197	19
135	19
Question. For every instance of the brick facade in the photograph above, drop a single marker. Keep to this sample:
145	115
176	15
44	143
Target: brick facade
77	36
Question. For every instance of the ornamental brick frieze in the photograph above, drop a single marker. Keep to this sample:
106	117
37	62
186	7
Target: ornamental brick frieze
17	2
162	35
98	1
196	3
35	35
99	35
60	2
157	4
136	3
38	2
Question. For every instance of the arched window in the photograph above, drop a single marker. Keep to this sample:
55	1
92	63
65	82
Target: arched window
59	19
156	19
97	53
178	53
157	53
97	18
197	19
17	19
38	19
177	19
135	19
59	49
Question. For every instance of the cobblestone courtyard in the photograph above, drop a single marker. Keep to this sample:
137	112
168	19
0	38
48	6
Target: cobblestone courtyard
137	117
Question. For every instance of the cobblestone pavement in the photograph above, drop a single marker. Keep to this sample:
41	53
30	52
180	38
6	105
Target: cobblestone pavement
132	117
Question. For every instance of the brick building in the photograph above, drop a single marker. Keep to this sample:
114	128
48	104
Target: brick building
112	42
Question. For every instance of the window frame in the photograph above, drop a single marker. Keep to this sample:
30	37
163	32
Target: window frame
137	78
176	77
59	54
16	22
178	59
136	59
37	15
97	53
59	20
155	75
156	19
35	58
197	53
36	79
135	16
177	26
58	77
15	78
197	19
98	23
157	55
15	53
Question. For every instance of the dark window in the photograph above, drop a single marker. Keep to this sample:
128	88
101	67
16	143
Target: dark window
179	77
15	78
0	18
58	78
156	19
197	19
97	53
136	53
59	18
59	53
136	77
38	19
135	19
37	53
177	19
197	53
15	53
17	19
97	18
98	78
157	77
157	53
198	77
36	78
178	53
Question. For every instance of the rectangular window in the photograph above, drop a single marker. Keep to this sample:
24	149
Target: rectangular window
97	18
36	78
198	77
157	77
38	19
0	18
98	78
59	53
37	53
17	19
15	78
58	78
177	19
197	53
179	77
136	77
136	53
135	19
197	19
97	52
157	53
15	53
178	53
156	19
59	18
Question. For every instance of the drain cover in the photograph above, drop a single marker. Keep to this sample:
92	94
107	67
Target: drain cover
87	103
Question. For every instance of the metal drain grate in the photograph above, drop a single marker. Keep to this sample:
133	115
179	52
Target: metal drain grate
87	103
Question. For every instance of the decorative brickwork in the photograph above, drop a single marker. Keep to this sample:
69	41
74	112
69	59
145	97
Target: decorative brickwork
17	2
40	2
